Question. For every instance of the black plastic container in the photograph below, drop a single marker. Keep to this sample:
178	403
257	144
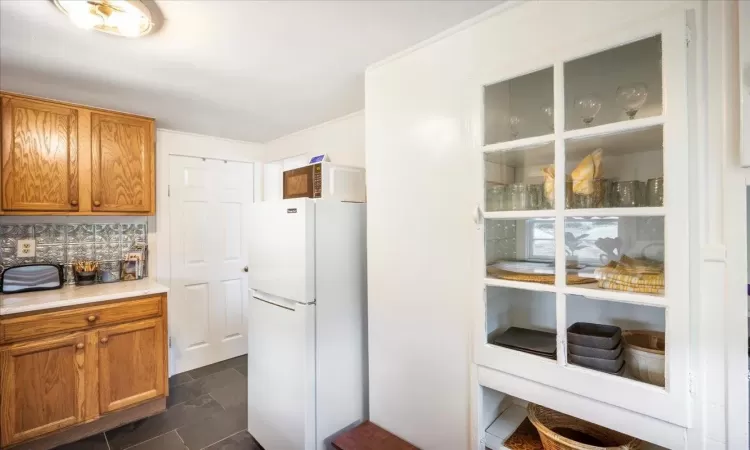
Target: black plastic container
591	352
602	365
594	335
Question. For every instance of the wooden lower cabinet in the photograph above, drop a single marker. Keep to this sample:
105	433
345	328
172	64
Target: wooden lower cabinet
131	364
53	383
43	386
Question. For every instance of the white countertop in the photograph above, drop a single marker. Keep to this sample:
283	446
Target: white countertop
77	295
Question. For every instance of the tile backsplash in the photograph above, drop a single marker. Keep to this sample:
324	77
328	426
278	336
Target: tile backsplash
64	243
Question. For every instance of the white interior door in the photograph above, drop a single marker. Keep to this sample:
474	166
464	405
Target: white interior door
209	206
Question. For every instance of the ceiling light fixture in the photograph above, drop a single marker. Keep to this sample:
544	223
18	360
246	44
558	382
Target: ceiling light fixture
129	18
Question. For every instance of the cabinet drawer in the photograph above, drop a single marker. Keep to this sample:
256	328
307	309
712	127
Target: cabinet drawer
37	325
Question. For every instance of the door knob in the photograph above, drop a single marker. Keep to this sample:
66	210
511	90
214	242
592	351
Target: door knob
245	269
104	340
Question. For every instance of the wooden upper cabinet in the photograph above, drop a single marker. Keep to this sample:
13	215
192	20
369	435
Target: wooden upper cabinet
42	387
63	159
39	156
132	364
122	164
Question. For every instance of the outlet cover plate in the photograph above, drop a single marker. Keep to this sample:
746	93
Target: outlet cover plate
26	248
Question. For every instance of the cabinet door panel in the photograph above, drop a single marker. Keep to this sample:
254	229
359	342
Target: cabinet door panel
121	164
131	364
39	156
42	387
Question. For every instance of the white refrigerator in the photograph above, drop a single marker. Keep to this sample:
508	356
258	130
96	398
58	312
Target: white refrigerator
307	327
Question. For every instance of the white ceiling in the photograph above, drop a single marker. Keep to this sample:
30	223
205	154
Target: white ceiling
249	70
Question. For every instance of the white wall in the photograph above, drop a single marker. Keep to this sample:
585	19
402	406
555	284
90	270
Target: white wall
343	139
422	117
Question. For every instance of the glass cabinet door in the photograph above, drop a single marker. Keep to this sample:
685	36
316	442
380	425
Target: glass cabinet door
584	220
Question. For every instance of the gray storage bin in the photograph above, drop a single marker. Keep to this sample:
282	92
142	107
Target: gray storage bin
594	335
591	352
602	365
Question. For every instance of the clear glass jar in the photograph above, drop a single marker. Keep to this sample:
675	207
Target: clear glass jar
519	197
495	197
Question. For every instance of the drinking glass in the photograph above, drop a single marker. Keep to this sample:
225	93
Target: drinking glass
569	199
655	192
602	193
513	123
587	107
631	97
536	196
626	194
549	115
519	197
495	194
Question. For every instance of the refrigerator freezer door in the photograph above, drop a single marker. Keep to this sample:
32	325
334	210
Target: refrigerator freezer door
281	374
282	249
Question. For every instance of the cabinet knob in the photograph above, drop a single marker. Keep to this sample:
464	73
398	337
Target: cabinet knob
79	345
245	269
74	202
104	340
97	203
91	318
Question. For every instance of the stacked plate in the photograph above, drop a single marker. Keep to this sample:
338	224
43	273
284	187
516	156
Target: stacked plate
596	346
540	343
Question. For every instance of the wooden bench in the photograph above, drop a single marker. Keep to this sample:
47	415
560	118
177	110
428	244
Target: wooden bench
369	436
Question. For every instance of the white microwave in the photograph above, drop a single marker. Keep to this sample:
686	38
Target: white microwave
325	180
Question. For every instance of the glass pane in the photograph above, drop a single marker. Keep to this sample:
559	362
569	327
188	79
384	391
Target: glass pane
617	170
616	253
521	249
519	108
522	320
614	85
638	354
514	180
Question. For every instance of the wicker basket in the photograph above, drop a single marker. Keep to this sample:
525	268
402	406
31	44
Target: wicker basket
546	420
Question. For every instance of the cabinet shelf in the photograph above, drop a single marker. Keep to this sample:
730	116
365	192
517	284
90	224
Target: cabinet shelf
592	291
525	285
641	211
615	128
504	426
520	144
528	214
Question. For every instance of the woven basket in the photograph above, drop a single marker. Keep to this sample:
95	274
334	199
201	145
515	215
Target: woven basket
546	420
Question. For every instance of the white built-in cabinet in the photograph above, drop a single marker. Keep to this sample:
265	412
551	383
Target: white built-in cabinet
529	122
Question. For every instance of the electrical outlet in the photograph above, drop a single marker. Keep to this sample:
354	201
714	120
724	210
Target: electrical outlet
26	248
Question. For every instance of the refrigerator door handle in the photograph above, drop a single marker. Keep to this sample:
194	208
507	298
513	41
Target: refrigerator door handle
276	300
273	303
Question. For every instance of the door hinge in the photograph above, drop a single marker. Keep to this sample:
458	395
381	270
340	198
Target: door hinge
688	35
170	341
169	190
691	384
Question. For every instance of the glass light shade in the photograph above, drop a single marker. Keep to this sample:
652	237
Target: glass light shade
129	18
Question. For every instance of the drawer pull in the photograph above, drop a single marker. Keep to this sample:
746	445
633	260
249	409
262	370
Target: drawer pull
79	345
104	340
91	318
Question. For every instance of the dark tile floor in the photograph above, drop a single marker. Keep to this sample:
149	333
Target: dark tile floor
207	409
